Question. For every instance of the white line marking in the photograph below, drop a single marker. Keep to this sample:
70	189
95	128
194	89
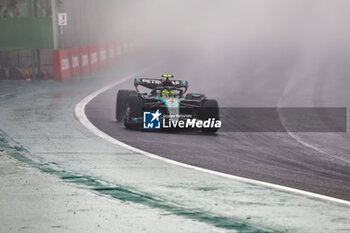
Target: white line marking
81	116
295	137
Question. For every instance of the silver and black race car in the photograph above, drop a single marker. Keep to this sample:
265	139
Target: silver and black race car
166	96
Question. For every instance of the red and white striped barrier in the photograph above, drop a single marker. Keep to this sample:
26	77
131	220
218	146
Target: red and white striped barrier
102	56
111	52
93	58
75	61
118	50
61	67
84	58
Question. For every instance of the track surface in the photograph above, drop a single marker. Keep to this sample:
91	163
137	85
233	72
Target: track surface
271	157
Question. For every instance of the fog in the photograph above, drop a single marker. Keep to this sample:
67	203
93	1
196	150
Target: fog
248	53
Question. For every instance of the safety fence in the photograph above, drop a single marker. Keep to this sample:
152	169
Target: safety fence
25	8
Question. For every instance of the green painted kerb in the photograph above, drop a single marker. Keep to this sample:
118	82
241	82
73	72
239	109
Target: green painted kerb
128	194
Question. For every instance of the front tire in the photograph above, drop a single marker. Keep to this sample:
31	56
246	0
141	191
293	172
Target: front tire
133	111
122	98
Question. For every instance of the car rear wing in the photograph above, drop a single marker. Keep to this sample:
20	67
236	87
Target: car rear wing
153	83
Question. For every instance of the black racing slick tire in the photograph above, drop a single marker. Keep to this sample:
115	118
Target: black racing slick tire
210	109
133	109
122	98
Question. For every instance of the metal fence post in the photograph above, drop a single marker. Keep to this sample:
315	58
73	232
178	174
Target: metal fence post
54	16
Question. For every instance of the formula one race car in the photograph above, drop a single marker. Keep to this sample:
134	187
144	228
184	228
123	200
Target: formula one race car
166	98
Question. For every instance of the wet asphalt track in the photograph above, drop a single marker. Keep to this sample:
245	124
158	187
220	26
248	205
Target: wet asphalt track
271	157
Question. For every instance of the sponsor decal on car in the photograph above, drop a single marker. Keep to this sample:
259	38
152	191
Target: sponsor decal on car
159	82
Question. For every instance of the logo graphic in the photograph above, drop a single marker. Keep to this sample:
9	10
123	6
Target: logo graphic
151	120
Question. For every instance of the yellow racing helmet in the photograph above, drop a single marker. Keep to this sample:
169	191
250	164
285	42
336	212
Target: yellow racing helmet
166	93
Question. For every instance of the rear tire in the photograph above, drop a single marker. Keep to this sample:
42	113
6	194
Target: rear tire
133	109
122	98
210	109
